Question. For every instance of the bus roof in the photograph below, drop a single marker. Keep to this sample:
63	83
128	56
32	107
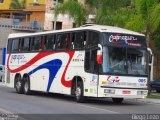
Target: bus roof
100	28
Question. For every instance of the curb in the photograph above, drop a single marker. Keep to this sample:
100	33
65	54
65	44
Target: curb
146	100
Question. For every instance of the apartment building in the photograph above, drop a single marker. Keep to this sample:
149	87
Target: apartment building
15	19
34	16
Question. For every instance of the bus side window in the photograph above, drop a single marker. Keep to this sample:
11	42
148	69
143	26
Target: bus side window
68	41
9	45
93	39
36	43
72	40
15	45
61	41
49	42
21	42
80	40
91	64
25	45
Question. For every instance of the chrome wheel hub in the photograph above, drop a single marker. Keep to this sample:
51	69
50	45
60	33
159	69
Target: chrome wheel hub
26	86
78	92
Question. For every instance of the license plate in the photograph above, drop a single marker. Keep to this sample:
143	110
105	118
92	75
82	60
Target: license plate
126	92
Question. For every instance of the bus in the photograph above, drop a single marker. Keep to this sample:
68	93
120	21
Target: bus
90	61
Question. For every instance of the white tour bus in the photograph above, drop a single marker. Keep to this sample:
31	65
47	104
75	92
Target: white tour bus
89	61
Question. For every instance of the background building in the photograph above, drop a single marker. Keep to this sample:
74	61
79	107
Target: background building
30	16
24	16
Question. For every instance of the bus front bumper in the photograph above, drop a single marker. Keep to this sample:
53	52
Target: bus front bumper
122	93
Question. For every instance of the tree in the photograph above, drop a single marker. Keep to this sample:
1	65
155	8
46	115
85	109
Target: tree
145	18
75	9
16	4
110	12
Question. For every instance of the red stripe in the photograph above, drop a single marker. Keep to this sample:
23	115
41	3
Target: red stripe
31	62
39	56
67	83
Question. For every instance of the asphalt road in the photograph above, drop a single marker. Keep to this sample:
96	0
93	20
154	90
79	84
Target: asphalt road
42	106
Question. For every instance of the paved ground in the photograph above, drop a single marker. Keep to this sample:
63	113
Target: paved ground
60	106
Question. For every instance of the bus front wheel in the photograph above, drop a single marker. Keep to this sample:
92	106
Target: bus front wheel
117	100
79	92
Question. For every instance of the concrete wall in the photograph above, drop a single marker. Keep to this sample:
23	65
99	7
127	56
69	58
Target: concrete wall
5	30
5	5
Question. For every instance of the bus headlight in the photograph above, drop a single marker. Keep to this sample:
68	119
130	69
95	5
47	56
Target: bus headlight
111	91
142	92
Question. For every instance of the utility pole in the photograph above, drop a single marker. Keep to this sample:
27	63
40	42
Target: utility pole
55	16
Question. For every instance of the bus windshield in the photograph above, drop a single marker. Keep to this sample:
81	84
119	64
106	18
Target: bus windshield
124	60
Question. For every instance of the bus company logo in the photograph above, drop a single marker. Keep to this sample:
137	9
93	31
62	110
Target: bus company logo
111	79
123	40
93	81
17	57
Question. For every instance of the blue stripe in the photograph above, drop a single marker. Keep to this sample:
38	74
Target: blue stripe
53	67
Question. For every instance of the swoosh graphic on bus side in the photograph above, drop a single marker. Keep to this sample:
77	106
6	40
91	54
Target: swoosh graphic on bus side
53	67
29	63
67	83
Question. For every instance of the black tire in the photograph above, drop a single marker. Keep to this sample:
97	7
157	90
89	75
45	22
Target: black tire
117	100
79	93
26	87
158	91
19	85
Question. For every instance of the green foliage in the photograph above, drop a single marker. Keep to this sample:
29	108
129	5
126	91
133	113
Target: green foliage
153	96
16	4
155	18
156	38
76	10
137	15
146	16
111	12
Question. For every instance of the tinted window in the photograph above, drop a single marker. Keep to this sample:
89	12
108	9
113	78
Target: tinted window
49	42
15	45
91	64
25	44
93	39
9	45
36	43
61	41
79	40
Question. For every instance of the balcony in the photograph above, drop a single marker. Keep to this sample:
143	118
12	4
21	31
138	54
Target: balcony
27	25
33	7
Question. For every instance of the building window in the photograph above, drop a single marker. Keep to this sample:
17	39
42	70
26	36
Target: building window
1	1
58	25
36	1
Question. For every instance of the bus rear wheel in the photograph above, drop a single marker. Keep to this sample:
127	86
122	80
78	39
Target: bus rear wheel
26	87
79	92
19	84
117	100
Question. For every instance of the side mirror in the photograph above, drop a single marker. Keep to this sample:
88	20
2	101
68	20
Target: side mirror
99	54
150	55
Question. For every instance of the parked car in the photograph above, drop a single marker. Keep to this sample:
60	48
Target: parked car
1	73
155	85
